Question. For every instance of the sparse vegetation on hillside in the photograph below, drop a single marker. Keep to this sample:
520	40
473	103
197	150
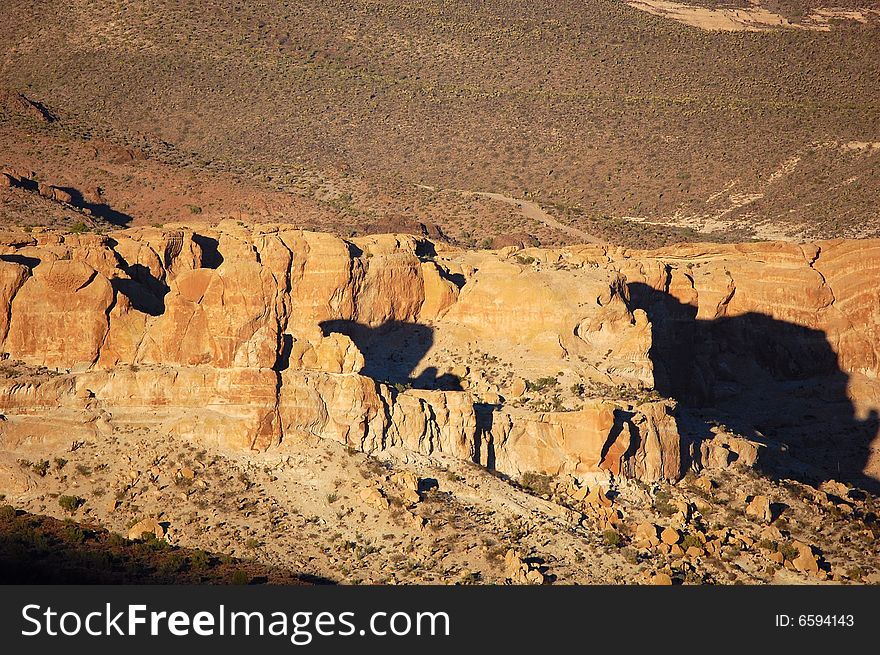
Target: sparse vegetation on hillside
628	126
36	549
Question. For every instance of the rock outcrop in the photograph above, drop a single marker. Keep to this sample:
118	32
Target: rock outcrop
251	338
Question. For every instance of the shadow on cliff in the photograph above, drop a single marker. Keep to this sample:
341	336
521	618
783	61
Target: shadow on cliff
774	382
29	262
144	291
392	352
98	209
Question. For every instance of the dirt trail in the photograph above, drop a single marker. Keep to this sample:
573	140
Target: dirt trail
529	209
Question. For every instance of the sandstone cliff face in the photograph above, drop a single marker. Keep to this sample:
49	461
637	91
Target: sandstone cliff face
827	286
641	442
250	338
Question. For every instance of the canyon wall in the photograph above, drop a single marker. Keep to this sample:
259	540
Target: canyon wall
251	338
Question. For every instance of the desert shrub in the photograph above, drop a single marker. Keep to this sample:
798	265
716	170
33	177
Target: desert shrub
73	533
32	540
612	538
174	563
452	476
116	540
631	555
516	530
200	560
693	577
470	578
691	540
542	384
240	577
7	512
70	503
663	504
538	483
788	551
152	542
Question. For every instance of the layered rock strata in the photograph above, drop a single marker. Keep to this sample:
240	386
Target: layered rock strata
250	338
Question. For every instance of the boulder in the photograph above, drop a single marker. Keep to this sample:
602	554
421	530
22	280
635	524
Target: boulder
408	482
518	571
374	498
598	498
147	526
646	535
61	195
337	353
704	483
516	388
670	536
662	580
771	533
759	508
806	561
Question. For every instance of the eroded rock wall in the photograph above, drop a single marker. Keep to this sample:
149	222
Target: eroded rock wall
239	338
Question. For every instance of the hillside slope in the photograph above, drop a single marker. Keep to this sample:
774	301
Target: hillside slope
593	109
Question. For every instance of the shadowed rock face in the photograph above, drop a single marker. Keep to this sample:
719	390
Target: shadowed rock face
243	338
770	380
